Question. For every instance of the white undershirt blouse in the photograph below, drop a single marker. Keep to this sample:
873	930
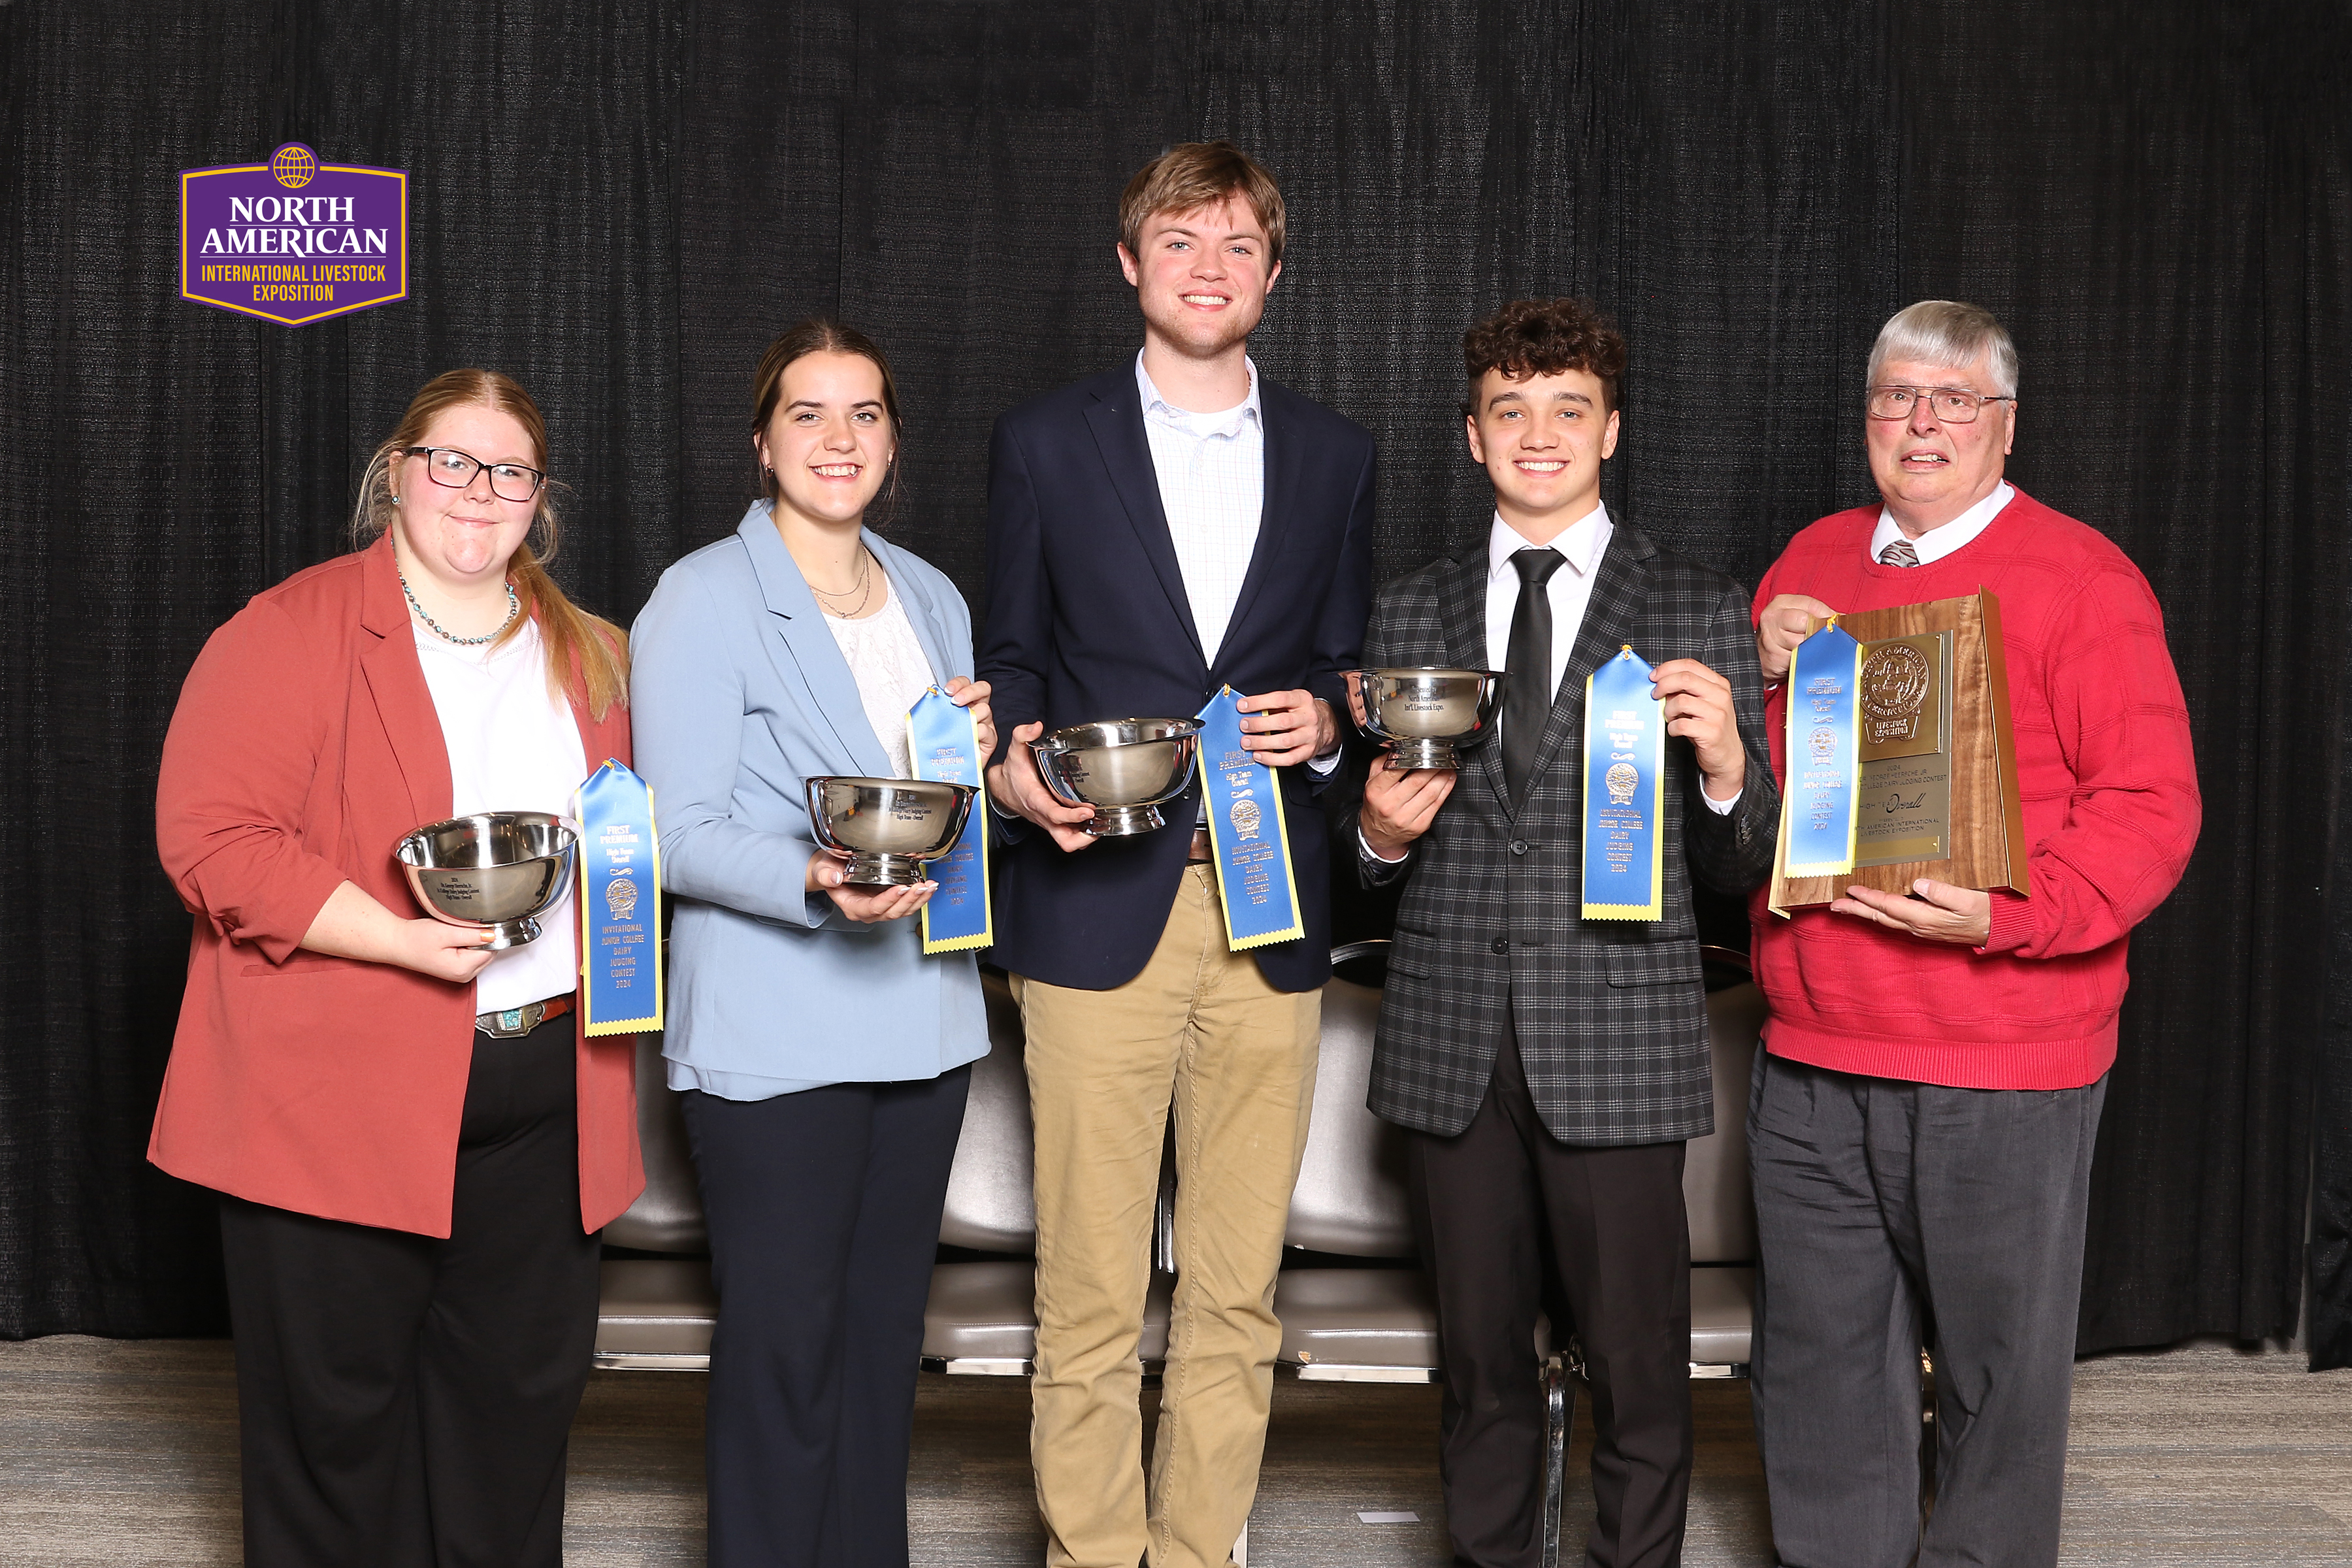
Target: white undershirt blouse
886	660
513	746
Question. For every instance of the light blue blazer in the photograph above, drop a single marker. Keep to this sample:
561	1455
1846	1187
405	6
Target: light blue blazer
737	694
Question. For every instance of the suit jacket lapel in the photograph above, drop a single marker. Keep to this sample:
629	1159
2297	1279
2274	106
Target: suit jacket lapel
921	613
1117	420
1282	462
1619	590
1462	617
396	681
832	690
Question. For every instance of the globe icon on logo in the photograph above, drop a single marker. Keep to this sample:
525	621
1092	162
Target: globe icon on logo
294	166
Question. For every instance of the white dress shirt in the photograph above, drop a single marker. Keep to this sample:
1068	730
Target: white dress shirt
886	660
1581	544
1939	542
1212	474
513	746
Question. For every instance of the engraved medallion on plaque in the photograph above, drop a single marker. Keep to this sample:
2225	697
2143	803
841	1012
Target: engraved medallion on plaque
1905	784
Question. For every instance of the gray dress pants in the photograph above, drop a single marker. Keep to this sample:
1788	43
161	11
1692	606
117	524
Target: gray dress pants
1892	1215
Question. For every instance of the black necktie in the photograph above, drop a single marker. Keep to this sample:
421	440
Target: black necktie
1526	669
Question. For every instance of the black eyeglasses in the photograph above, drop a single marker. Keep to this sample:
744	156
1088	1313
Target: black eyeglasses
449	466
1952	405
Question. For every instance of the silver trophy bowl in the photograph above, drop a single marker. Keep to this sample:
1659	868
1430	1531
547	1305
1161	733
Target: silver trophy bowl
1426	714
494	871
1124	768
891	829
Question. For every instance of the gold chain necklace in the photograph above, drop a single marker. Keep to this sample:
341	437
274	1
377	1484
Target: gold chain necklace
862	587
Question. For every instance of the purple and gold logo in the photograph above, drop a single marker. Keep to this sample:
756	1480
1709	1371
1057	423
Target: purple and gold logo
294	240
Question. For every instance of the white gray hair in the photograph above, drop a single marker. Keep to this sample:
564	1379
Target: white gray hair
1947	333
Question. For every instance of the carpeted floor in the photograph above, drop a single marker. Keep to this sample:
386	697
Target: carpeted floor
114	1453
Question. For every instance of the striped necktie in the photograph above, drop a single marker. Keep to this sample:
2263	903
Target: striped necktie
1898	553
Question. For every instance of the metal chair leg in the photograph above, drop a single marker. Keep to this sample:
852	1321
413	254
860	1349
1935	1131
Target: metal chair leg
1163	1209
1559	1411
1930	1439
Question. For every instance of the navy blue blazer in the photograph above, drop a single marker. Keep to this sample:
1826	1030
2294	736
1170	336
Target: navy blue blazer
1087	620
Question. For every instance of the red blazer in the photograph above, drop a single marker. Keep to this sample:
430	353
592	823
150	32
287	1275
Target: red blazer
304	747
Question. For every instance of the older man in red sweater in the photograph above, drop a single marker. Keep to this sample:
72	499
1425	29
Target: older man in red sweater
1922	1117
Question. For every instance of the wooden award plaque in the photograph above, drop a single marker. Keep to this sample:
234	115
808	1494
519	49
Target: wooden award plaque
1938	784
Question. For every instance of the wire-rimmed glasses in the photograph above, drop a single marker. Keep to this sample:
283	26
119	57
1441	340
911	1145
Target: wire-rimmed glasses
1951	405
447	466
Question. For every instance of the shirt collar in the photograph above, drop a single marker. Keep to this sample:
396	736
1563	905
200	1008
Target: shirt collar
1945	538
1580	542
1224	422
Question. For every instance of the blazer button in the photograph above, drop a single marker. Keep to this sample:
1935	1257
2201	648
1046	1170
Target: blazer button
1519	845
1500	944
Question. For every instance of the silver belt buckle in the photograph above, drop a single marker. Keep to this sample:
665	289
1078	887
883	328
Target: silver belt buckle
512	1022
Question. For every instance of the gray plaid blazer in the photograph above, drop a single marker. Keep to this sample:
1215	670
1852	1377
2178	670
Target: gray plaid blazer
1610	1015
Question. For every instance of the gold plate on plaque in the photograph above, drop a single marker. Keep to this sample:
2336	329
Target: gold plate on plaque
1904	787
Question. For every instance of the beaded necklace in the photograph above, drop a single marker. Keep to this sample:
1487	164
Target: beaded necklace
514	608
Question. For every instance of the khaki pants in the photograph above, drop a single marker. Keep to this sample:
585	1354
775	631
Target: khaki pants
1202	1029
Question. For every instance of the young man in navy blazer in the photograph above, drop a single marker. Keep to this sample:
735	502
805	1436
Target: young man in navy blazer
1173	526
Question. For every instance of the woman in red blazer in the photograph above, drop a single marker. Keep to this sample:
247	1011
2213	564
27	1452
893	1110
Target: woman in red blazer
415	1147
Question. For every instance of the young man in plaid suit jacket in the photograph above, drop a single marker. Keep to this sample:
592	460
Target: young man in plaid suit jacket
1548	1070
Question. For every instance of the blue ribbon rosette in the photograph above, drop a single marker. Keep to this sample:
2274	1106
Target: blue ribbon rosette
1820	809
943	744
620	903
1247	835
1624	767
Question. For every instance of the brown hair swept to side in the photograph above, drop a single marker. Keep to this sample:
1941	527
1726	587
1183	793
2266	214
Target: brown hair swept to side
1544	337
587	656
822	335
1193	175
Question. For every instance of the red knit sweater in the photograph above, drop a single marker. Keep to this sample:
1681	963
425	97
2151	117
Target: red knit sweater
2109	787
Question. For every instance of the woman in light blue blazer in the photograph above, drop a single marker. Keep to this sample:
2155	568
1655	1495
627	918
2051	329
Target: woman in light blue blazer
822	1058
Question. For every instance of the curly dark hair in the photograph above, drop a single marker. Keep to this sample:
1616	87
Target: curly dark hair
1544	337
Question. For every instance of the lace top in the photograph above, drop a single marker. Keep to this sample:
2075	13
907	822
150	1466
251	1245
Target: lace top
891	670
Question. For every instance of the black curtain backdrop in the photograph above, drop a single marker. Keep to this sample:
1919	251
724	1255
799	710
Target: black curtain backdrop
621	202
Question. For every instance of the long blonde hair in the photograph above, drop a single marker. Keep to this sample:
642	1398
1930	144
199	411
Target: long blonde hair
587	656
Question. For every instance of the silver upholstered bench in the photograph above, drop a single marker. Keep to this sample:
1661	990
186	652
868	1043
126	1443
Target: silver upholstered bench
655	1314
1379	1324
1372	1323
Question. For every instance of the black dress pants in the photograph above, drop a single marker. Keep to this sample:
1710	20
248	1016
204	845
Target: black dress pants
824	1209
402	1401
1492	1203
